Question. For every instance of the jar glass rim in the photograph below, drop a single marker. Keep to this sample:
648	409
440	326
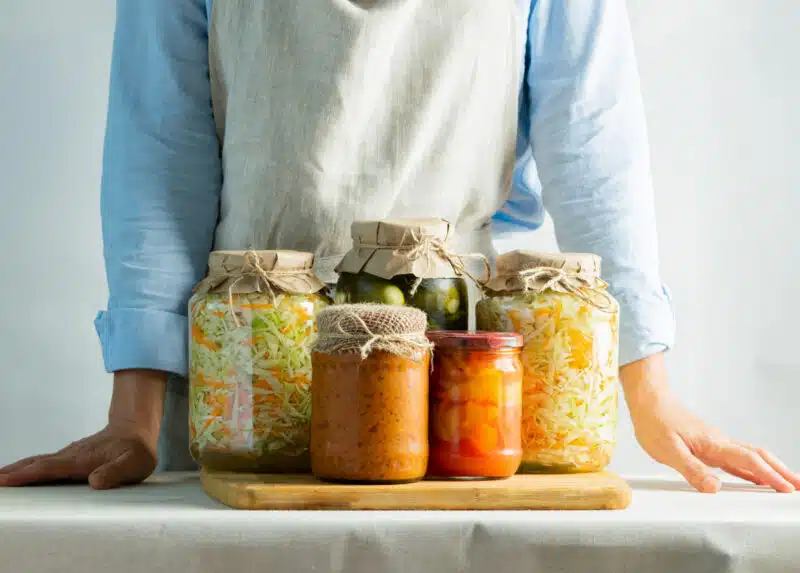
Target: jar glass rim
474	340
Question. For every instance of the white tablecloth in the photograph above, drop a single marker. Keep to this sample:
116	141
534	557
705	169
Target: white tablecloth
169	525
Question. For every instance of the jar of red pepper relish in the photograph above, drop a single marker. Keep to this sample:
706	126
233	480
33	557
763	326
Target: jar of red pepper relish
475	405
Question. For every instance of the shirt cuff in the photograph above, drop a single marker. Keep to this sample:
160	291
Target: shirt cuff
148	339
647	325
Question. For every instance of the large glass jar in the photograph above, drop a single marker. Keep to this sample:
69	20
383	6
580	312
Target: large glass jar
475	405
369	415
252	326
406	262
569	323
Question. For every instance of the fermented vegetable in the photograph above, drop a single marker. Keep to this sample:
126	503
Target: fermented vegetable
570	362
251	384
444	300
370	395
475	404
406	262
250	379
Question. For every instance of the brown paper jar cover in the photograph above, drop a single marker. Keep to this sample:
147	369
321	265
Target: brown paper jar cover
395	247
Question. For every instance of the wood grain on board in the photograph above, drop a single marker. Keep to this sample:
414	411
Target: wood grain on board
603	490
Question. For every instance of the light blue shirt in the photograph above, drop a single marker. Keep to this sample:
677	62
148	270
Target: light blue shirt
583	157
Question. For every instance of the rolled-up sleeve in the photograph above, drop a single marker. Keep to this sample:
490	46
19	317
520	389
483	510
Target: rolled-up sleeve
161	182
588	136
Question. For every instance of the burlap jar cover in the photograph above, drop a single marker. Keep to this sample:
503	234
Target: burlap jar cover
365	328
268	272
417	247
577	274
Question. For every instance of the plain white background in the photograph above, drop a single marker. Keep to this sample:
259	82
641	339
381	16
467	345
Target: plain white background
720	84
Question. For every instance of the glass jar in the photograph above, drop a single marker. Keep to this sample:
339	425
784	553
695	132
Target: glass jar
444	300
369	415
475	405
406	262
250	362
569	324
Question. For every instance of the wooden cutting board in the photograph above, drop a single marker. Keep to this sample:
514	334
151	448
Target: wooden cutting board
602	490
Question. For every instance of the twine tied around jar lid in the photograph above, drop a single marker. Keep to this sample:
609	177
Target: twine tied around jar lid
427	246
269	272
541	279
417	247
364	328
572	273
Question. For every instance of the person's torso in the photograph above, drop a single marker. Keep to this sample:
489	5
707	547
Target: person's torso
334	110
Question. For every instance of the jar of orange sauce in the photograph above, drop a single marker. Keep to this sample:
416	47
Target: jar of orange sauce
475	405
369	401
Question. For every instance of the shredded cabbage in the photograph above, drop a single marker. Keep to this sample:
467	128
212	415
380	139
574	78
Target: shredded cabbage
250	383
570	384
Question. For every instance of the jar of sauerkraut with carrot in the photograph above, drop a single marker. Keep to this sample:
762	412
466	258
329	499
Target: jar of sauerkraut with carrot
251	329
569	323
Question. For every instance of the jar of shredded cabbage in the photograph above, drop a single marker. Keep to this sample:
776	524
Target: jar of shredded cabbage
569	324
406	262
251	329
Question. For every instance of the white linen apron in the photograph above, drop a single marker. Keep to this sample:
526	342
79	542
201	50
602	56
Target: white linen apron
330	111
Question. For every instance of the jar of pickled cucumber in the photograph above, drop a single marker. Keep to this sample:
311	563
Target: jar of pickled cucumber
406	262
251	329
569	324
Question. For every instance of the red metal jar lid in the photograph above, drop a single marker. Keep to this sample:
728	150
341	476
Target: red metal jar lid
474	340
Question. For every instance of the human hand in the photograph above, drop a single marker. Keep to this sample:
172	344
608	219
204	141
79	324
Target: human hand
675	437
122	453
110	458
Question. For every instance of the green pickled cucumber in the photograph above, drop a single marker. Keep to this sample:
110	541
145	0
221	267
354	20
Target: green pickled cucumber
444	301
385	294
368	289
452	303
426	299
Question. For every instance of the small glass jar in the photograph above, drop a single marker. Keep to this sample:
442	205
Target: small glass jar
445	301
250	362
370	396
569	323
475	405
